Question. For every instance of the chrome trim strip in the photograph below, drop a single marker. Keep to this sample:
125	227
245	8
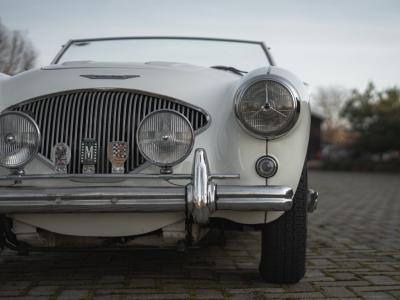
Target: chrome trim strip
254	204
119	77
109	176
272	191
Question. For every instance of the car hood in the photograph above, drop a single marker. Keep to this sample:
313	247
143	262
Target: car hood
199	86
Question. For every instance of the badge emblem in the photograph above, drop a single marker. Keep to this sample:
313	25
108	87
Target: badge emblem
88	155
61	156
117	153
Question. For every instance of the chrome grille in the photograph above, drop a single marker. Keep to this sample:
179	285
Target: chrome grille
105	115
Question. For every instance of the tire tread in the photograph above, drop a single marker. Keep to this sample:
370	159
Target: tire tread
284	241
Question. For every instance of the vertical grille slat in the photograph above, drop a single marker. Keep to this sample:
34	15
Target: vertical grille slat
104	115
72	168
114	120
132	136
44	122
88	117
64	132
76	146
99	129
50	127
106	137
67	112
139	115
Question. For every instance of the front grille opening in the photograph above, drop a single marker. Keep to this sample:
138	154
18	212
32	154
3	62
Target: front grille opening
104	115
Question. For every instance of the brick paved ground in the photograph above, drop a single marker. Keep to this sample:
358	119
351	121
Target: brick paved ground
354	252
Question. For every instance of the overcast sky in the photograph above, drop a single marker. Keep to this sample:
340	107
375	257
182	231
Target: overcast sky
332	42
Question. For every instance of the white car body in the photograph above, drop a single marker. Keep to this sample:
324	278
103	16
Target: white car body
229	148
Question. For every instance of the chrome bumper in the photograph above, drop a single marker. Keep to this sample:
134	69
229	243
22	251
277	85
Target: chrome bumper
199	199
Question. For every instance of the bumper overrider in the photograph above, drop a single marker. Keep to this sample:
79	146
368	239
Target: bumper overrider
198	199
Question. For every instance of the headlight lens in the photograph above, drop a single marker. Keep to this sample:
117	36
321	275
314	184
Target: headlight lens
165	138
266	108
19	139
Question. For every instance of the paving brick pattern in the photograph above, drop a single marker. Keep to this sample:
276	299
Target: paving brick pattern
354	252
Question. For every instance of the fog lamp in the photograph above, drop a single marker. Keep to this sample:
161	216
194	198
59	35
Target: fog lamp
266	166
165	138
19	139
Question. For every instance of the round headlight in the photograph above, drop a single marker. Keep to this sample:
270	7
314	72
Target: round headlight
165	138
266	107
19	139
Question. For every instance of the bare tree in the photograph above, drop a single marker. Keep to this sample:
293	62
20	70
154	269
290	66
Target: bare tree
16	51
330	101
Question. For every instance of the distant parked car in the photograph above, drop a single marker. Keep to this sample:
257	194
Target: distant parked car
153	141
335	152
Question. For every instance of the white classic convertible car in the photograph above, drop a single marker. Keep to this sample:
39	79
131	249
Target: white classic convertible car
153	141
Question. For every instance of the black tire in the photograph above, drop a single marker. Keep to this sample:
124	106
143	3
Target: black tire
283	249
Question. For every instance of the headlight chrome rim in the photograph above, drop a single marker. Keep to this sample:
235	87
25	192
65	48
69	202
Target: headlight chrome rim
296	106
174	163
39	138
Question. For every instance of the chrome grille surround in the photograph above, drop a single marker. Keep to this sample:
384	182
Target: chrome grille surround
103	114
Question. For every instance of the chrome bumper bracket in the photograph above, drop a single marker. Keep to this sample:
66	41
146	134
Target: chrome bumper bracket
312	200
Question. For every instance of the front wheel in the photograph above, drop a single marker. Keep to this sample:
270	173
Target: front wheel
283	249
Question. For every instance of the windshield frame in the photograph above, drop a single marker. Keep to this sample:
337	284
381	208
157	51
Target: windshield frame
65	47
